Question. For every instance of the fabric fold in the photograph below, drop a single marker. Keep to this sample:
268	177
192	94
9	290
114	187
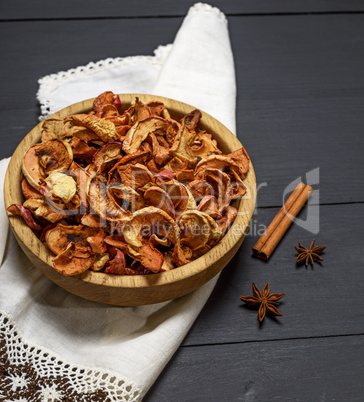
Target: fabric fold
199	69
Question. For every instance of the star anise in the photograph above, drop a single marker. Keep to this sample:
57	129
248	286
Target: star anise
267	302
309	255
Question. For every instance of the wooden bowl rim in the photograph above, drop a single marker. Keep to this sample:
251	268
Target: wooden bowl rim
245	208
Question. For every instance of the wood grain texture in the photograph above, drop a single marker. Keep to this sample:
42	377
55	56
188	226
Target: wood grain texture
301	96
140	289
28	57
294	370
300	88
43	9
323	301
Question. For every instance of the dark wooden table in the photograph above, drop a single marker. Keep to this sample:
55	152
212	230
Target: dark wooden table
299	68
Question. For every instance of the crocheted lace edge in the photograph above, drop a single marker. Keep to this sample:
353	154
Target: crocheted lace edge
207	8
49	83
49	364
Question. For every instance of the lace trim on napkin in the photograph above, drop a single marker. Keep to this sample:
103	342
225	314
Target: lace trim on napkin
48	83
206	7
31	373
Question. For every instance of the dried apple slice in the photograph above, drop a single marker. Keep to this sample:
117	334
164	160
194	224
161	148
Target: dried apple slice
168	264
117	265
117	102
140	110
106	98
58	239
221	184
147	221
194	229
119	121
209	206
151	258
237	185
228	216
55	206
33	203
157	197
28	191
146	110
116	240
103	128
110	112
100	261
161	152
52	128
81	177
221	162
203	145
101	201
152	166
148	256
67	264
181	197
92	220
106	155
138	157
62	186
55	156
84	134
81	150
241	157
126	197
140	131
238	161
199	189
134	176
163	176
96	241
157	241
198	229
191	204
181	255
186	175
42	209
156	108
172	132
176	165
31	168
185	135
16	209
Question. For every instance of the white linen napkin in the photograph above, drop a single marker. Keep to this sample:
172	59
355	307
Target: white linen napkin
118	350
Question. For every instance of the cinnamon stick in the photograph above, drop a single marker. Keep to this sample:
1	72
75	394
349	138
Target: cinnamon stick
269	240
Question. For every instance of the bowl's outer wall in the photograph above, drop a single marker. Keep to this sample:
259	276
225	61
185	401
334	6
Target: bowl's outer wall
138	289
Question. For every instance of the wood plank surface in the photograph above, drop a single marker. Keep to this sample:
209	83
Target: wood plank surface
316	369
321	301
299	107
300	95
42	48
43	9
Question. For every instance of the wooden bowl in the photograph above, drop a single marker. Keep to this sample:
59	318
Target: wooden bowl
140	289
